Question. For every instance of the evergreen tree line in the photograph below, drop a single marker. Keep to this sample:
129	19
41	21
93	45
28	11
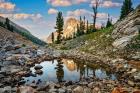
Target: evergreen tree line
25	34
84	27
126	8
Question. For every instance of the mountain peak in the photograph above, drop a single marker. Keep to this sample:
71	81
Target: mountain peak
70	28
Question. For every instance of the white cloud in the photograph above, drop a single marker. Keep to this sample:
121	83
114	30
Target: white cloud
65	2
22	16
6	6
52	11
106	3
59	2
84	12
79	1
78	12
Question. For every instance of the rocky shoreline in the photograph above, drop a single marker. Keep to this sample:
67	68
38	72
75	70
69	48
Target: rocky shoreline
16	61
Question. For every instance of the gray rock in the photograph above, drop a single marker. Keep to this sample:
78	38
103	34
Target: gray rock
1	76
7	89
52	90
39	72
38	67
61	90
26	89
137	77
78	89
90	85
126	29
122	42
9	48
87	90
131	83
96	90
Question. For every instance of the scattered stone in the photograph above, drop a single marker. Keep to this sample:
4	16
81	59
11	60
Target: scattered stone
26	89
119	90
78	89
39	72
90	85
96	90
9	48
87	90
131	83
137	77
61	90
52	90
38	67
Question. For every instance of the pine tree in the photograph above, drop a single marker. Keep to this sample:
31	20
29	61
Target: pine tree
59	27
52	37
81	26
2	24
84	22
109	22
87	27
7	23
126	8
8	26
102	26
78	31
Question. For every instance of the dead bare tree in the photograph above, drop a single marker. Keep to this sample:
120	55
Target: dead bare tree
95	6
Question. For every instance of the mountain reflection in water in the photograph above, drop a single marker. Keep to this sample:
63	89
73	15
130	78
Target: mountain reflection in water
69	70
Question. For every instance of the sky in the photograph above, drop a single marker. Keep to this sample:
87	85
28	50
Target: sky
39	16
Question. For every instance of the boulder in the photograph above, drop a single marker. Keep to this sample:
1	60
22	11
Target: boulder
17	47
96	90
38	67
39	72
122	42
78	89
119	90
131	83
136	91
87	90
9	48
26	89
137	77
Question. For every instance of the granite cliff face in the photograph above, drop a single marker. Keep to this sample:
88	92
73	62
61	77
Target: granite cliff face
70	28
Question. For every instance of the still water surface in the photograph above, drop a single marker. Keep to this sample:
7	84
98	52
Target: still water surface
69	70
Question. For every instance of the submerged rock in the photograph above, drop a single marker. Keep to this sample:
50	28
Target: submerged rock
39	72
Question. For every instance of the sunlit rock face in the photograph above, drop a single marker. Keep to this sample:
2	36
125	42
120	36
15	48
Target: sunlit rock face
70	28
71	66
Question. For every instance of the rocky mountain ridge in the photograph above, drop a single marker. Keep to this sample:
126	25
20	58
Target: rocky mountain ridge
22	31
70	28
126	29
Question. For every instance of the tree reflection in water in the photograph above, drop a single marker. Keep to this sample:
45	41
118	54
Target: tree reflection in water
59	71
85	67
